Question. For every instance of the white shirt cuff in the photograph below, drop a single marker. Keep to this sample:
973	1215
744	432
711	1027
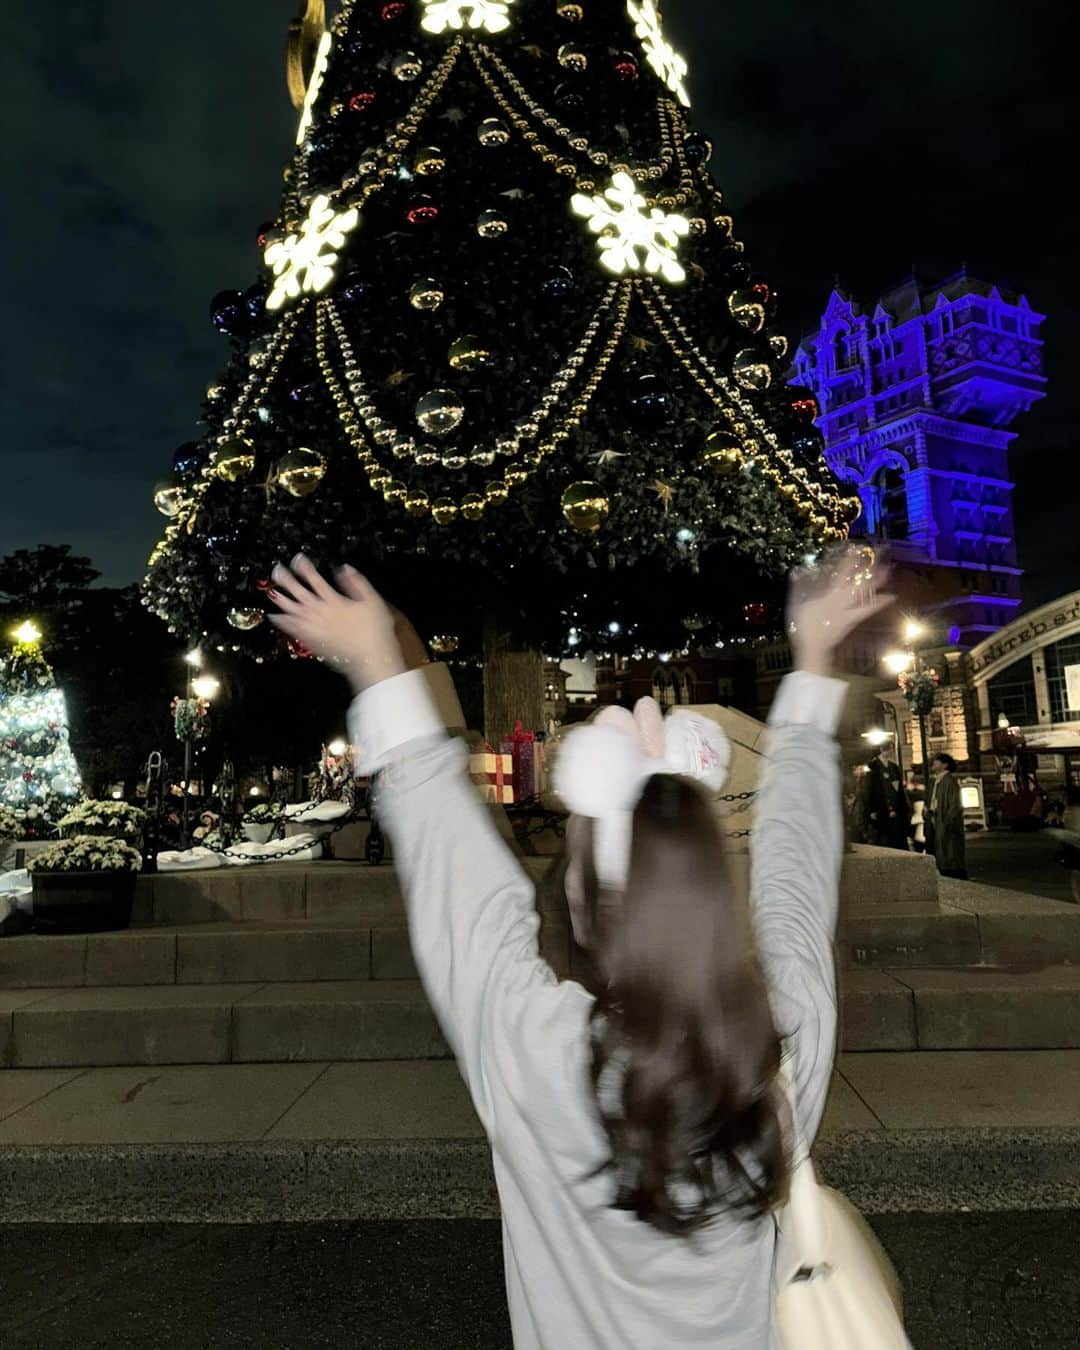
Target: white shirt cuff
809	700
390	714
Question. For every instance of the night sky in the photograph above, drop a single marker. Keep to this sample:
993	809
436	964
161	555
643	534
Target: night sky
144	143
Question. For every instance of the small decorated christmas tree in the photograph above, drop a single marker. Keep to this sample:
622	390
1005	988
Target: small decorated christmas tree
39	778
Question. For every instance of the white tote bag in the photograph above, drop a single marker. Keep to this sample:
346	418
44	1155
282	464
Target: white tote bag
834	1287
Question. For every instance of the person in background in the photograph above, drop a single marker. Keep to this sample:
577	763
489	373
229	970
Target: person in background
887	807
637	1126
945	834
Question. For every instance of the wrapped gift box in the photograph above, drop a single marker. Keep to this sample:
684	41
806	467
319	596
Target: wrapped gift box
493	774
526	756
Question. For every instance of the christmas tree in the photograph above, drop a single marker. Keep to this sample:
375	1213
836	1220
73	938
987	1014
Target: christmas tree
39	779
507	354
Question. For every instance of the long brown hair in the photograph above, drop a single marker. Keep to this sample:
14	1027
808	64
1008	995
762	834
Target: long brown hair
685	1053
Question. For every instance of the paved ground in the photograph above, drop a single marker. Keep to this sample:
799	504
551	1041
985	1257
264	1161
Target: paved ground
972	1281
1019	862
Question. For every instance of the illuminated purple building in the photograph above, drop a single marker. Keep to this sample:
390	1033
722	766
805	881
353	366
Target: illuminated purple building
916	402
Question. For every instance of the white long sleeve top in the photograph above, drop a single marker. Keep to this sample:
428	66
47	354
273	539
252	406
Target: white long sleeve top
581	1275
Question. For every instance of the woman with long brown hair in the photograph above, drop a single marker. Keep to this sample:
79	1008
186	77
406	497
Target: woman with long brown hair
637	1129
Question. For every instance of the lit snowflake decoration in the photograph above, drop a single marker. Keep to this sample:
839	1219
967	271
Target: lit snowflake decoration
660	54
631	239
305	262
318	74
493	16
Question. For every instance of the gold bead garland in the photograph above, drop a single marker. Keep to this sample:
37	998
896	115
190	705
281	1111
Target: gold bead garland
576	143
378	167
724	395
362	426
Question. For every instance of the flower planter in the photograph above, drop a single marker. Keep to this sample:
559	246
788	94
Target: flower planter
258	834
83	902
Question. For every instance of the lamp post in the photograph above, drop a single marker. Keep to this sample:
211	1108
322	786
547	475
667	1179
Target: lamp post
910	660
200	687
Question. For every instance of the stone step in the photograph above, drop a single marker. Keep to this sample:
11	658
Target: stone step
333	892
996	928
374	948
978	1009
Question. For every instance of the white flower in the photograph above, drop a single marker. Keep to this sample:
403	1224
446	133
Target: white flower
660	54
631	240
305	262
490	15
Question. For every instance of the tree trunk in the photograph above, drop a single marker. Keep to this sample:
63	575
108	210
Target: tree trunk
513	688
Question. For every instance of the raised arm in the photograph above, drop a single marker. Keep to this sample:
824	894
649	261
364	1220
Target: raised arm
472	917
798	831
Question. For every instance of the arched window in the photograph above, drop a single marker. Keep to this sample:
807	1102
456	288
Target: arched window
663	687
891	488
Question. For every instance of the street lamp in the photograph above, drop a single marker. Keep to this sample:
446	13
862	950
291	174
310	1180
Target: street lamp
337	748
877	736
898	662
205	686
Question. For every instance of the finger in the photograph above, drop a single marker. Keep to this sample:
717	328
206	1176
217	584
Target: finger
355	585
290	626
283	601
289	585
306	570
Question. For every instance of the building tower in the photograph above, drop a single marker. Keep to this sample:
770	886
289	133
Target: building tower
916	400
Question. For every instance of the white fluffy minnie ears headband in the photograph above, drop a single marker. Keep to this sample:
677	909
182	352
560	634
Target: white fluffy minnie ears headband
602	769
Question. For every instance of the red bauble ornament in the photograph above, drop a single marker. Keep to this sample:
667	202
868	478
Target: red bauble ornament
422	211
263	584
262	235
392	11
756	613
297	649
760	290
805	409
625	66
362	100
28	776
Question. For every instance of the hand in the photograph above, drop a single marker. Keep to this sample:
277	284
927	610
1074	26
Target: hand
829	600
351	628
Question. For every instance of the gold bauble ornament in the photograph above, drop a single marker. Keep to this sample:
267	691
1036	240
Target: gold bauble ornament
380	479
245	619
496	493
492	132
788	490
426	294
444	644
417	503
723	454
427	457
395	492
819	523
585	506
851	509
473	506
751	371
778	345
469	352
804	508
515	474
439	411
428	161
169	498
235	459
300	472
570	10
491	224
573	57
455	461
747	309
444	510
